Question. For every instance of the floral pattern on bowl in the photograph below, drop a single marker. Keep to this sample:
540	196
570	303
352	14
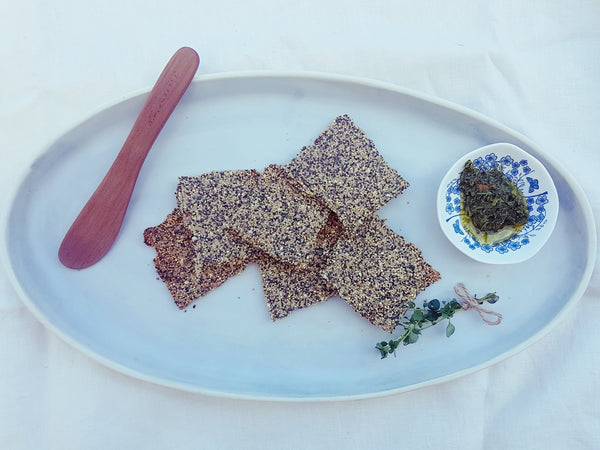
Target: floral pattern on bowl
531	178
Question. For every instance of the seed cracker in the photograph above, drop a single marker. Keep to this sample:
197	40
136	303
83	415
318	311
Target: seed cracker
279	219
378	272
345	170
209	202
175	261
310	227
288	287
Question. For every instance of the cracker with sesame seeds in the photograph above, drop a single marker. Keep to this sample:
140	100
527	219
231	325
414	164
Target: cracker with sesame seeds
279	219
378	272
310	226
209	202
345	170
215	191
175	261
288	287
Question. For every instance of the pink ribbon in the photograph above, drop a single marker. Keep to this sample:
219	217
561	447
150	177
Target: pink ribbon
472	303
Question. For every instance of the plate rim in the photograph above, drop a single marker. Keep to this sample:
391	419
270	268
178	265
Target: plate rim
329	77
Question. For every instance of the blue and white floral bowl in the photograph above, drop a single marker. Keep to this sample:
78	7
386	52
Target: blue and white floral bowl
530	176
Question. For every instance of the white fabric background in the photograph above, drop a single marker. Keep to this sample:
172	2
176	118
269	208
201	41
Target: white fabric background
534	66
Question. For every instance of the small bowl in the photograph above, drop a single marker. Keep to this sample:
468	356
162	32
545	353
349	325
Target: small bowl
534	181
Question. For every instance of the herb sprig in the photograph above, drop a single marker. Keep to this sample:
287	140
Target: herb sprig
419	319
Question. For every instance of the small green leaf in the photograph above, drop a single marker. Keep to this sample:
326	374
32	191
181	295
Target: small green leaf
432	316
383	350
490	298
412	337
454	305
450	329
434	304
417	316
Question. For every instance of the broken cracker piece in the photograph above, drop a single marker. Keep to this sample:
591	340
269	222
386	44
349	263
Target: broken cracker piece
279	219
344	169
175	262
288	287
377	272
209	202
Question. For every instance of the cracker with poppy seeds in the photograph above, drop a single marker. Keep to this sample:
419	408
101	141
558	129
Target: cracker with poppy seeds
175	261
345	170
377	272
278	219
209	202
288	287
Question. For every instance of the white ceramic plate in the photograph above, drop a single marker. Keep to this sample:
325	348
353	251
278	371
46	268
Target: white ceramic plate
536	185
120	314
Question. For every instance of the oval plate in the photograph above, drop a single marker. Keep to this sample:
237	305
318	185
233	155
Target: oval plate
119	313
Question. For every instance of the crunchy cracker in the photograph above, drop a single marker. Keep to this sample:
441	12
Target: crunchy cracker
278	219
209	202
215	192
175	261
378	272
310	226
288	287
344	169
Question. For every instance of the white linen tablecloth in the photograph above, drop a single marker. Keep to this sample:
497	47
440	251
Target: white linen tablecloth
533	66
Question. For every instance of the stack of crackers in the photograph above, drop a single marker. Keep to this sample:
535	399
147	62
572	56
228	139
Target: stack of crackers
309	225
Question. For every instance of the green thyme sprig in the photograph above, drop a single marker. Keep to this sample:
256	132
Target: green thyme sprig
418	319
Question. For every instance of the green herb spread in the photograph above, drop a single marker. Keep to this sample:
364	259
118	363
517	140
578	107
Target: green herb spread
493	209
